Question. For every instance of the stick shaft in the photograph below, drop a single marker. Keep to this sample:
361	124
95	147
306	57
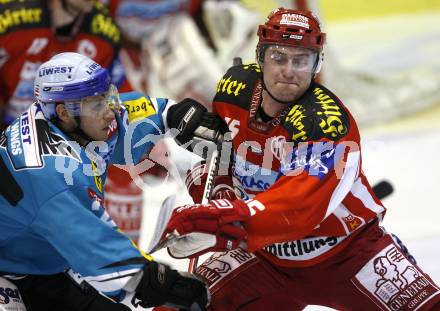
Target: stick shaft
212	172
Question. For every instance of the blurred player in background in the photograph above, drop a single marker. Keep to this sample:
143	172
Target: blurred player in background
184	46
302	226
33	31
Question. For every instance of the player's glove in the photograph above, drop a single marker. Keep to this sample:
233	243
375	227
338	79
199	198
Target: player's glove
200	228
192	119
161	285
195	181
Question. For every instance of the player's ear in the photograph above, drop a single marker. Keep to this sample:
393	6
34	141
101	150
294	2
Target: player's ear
62	113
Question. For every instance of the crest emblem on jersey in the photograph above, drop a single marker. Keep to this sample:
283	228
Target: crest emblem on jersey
352	222
219	265
277	147
393	282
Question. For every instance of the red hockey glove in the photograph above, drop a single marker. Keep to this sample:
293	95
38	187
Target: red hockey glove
196	179
211	227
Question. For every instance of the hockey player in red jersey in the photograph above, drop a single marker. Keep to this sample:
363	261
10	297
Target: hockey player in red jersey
305	217
33	31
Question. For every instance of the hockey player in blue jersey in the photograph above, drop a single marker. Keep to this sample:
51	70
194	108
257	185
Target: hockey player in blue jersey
57	243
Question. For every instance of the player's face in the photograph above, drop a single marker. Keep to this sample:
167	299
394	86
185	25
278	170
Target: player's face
80	5
288	71
96	117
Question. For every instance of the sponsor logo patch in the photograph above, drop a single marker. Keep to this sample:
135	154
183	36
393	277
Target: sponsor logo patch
228	86
316	159
330	114
252	183
104	25
295	37
54	70
295	20
220	265
14	18
277	147
139	108
352	222
296	118
393	282
8	295
304	249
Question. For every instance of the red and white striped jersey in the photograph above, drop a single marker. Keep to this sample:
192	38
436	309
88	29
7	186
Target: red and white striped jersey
300	172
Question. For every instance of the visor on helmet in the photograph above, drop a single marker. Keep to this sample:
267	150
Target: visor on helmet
95	105
296	58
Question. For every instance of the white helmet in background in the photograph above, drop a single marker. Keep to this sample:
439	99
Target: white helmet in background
70	78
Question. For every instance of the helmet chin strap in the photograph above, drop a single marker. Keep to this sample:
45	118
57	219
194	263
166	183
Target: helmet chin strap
285	102
80	133
72	11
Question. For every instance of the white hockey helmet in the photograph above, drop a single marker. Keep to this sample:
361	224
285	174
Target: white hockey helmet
71	78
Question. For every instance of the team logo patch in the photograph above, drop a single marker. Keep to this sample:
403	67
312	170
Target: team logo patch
10	298
8	294
221	265
278	147
352	222
393	282
316	159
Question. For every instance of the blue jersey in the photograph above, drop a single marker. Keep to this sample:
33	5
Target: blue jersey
51	198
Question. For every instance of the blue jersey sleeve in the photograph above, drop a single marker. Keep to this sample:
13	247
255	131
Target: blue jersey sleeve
141	123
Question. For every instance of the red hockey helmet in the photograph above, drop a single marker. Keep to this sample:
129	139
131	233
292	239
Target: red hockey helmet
290	27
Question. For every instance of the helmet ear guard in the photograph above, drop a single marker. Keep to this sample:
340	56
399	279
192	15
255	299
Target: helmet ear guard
319	64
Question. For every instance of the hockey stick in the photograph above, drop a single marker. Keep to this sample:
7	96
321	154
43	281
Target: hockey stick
381	189
167	207
165	212
209	185
212	172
